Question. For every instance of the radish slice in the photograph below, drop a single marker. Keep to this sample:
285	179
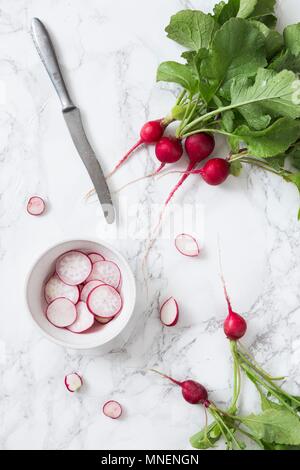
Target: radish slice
103	321
94	257
89	286
73	382
84	321
104	301
36	206
107	272
55	288
73	267
169	312
112	409
187	245
61	312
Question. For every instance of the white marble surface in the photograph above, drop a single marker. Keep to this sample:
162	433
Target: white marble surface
110	51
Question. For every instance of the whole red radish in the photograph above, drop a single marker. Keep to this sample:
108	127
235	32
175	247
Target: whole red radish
199	146
215	171
196	154
168	150
235	325
193	392
150	133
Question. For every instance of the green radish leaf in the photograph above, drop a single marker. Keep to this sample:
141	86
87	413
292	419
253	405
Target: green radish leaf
286	61
268	446
236	168
275	427
263	8
238	50
224	11
181	74
269	142
194	60
218	9
269	20
192	29
273	40
291	36
228	121
294	156
277	162
267	404
206	438
246	8
272	94
260	10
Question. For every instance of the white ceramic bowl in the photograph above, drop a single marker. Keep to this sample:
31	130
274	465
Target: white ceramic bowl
99	334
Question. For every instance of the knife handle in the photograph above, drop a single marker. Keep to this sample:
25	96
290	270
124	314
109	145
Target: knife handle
47	54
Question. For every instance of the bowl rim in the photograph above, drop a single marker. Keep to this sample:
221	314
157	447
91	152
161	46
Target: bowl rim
59	342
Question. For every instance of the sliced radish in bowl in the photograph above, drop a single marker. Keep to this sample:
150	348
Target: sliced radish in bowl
169	312
94	257
55	288
61	312
73	268
107	272
73	382
187	245
103	321
89	286
84	321
36	206
104	301
112	409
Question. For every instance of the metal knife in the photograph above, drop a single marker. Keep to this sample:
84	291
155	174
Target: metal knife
72	117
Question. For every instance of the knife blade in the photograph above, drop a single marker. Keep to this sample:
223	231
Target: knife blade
72	117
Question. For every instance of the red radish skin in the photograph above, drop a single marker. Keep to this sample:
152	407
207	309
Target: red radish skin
73	382
55	288
150	133
112	409
73	267
196	154
169	150
187	245
235	326
199	146
61	313
169	312
89	286
84	321
104	301
94	257
107	272
193	392
215	171
36	206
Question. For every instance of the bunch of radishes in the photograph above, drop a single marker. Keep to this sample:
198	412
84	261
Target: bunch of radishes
83	289
169	150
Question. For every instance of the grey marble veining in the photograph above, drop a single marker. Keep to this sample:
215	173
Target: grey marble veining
109	51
